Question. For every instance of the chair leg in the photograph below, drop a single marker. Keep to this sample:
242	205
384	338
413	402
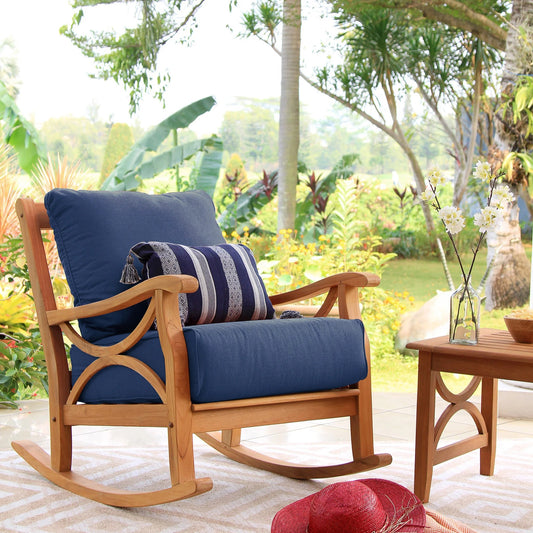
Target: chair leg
180	450
231	437
361	424
60	444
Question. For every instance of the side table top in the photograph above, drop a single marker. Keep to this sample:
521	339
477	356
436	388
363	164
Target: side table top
493	343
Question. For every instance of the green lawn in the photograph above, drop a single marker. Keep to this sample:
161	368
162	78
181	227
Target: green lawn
421	278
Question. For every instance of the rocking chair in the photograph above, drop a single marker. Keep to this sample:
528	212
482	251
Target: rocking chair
192	346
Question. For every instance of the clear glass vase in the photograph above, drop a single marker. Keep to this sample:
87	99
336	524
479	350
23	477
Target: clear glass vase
465	304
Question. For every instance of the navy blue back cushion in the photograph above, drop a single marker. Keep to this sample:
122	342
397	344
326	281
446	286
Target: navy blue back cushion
94	231
234	360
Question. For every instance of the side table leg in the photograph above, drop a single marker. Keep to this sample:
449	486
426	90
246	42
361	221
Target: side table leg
425	422
489	411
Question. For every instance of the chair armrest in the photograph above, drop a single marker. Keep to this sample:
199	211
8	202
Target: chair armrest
350	279
128	298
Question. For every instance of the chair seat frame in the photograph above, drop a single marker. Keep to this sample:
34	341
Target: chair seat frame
218	424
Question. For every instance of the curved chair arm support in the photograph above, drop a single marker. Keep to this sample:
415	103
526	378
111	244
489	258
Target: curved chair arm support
138	293
121	360
123	346
350	279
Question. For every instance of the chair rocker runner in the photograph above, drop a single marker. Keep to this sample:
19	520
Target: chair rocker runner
204	376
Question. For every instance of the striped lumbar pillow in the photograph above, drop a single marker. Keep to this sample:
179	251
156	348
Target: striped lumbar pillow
230	287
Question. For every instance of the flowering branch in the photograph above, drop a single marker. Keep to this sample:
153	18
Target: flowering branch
452	217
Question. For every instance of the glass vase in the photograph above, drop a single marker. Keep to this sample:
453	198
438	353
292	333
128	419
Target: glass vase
465	304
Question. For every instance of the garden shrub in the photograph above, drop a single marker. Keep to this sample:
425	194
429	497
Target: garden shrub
286	262
22	362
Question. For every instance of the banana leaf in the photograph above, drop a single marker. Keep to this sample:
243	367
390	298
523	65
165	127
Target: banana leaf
133	168
210	168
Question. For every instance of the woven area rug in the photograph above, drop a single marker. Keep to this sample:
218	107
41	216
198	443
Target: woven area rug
244	499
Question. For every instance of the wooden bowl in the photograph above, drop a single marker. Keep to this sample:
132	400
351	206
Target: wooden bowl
521	329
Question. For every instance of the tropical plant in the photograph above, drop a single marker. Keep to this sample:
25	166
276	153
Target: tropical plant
22	366
19	132
22	362
232	185
135	167
235	169
10	190
286	262
314	206
243	211
480	17
517	121
59	174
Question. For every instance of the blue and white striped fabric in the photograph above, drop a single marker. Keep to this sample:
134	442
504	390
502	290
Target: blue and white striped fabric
230	287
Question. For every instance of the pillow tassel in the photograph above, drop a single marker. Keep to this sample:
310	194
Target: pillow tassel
129	272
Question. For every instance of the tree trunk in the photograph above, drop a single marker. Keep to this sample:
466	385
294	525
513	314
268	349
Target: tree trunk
418	176
289	114
509	280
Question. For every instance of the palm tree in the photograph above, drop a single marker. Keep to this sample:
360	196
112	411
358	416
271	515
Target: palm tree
289	114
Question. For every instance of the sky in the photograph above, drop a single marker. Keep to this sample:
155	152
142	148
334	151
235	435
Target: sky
54	73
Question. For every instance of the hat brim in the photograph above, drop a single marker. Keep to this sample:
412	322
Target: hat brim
398	502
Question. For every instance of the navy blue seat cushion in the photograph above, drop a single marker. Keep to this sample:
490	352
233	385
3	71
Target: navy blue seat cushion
234	360
94	231
230	287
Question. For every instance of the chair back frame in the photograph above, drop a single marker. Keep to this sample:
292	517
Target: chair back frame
218	423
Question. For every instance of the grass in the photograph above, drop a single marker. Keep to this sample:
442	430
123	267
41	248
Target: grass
422	278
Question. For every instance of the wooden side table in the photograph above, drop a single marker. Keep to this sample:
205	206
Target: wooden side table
495	356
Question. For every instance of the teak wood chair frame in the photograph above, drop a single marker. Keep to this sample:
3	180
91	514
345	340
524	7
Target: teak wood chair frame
218	424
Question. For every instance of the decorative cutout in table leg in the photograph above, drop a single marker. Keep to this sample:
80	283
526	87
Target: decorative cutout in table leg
458	402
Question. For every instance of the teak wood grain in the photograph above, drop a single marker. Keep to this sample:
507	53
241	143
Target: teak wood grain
176	412
496	356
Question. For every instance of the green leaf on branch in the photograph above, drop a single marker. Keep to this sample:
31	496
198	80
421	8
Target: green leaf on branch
19	132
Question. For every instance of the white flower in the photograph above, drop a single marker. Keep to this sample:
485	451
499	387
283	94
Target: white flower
428	195
501	196
487	218
483	171
453	219
436	178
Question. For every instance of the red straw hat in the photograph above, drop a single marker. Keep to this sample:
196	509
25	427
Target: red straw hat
364	506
